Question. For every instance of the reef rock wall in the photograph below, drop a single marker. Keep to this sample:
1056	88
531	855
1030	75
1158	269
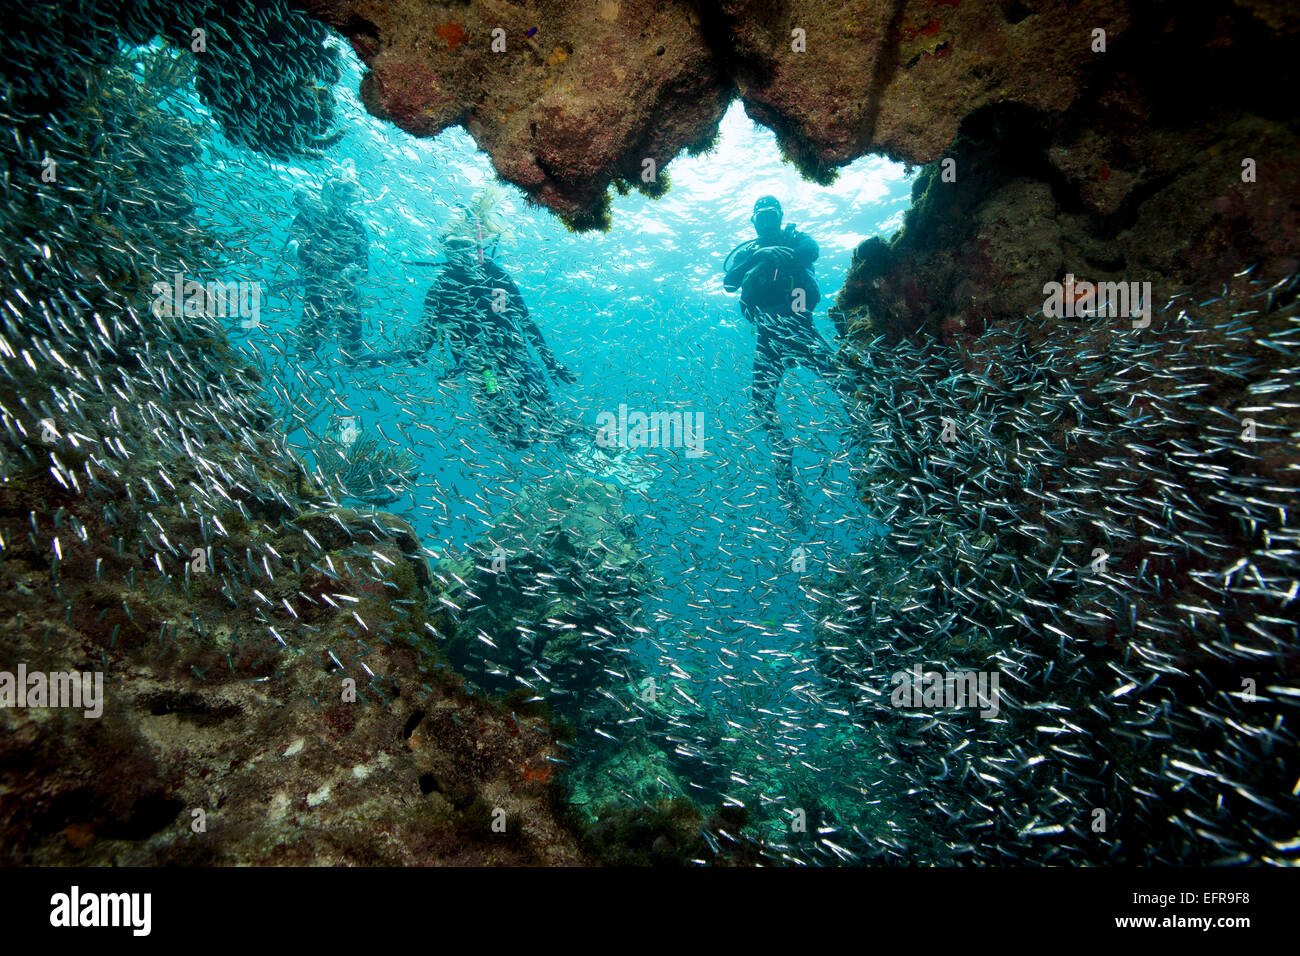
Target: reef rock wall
569	98
1103	495
264	688
1175	165
566	98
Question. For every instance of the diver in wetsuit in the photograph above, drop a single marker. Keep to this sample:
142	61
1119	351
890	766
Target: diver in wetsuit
333	254
778	293
482	314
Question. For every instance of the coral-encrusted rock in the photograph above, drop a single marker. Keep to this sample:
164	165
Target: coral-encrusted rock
230	731
232	734
1180	184
581	95
899	77
596	90
982	248
578	97
283	770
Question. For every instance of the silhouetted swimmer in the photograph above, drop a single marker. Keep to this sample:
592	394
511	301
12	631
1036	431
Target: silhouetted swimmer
476	310
778	294
333	255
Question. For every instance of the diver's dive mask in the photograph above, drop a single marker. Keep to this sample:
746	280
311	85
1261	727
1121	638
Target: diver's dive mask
767	221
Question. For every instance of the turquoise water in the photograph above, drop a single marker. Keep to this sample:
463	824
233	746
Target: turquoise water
639	314
1073	644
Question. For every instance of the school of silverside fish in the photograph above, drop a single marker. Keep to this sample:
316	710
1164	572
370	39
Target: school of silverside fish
1105	540
1076	517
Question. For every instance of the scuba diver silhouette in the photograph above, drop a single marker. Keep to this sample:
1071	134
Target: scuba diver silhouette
475	307
778	294
332	256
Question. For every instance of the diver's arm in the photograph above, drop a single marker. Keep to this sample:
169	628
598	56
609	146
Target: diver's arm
805	249
528	325
534	334
736	275
429	324
797	251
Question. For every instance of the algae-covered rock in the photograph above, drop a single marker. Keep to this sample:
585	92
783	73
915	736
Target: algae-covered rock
571	98
1139	179
264	686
